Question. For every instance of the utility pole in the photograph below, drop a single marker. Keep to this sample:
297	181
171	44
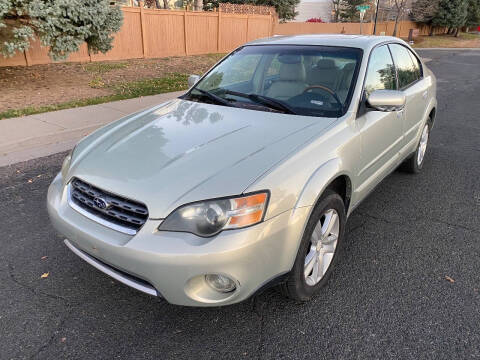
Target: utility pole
376	17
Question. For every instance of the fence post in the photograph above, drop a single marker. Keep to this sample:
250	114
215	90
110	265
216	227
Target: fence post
185	37
142	24
218	29
246	37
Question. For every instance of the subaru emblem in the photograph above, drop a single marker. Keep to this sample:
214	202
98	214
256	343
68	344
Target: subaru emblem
100	203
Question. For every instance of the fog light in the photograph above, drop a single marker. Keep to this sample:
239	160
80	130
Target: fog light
220	283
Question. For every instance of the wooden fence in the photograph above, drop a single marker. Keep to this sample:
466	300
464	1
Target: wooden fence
152	33
294	28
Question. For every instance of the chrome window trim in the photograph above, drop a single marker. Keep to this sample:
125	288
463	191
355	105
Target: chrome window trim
95	218
150	290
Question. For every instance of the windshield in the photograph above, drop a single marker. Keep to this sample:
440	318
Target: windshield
303	80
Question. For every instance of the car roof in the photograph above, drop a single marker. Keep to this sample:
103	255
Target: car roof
358	41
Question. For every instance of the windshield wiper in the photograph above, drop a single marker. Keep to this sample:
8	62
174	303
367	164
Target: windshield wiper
265	100
216	99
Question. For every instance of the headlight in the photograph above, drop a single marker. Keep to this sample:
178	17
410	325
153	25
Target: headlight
208	218
66	164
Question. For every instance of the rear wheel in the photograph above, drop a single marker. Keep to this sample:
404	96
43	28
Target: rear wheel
415	163
319	248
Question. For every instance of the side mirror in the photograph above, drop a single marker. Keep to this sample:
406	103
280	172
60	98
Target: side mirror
192	80
386	100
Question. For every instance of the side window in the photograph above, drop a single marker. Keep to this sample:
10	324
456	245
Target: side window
417	65
381	72
407	71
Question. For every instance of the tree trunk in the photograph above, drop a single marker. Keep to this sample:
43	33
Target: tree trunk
198	5
395	29
157	4
165	4
431	31
457	31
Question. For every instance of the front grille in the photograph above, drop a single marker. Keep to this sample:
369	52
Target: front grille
114	209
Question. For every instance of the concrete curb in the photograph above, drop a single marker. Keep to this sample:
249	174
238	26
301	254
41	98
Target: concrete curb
447	49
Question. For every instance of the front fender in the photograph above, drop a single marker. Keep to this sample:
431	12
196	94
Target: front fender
320	179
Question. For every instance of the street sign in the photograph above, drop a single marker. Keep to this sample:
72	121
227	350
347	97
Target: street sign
362	8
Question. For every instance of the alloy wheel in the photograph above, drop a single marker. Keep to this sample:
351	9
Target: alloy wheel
323	244
422	146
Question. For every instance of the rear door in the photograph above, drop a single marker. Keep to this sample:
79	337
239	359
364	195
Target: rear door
415	87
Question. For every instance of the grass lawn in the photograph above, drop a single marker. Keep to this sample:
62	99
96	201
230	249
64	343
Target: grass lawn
42	88
124	90
467	40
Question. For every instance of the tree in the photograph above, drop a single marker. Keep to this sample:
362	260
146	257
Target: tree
336	4
198	5
451	14
400	9
424	11
473	17
348	10
63	25
284	8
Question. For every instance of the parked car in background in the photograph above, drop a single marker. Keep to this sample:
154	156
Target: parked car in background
248	179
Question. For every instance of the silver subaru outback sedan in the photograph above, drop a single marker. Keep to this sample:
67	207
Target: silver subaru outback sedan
248	179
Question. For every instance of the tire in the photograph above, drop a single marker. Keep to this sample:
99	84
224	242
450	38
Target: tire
414	163
302	287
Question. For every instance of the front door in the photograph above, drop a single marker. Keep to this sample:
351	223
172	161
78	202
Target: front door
381	132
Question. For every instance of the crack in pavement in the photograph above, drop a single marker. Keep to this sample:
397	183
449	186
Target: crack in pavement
31	289
388	221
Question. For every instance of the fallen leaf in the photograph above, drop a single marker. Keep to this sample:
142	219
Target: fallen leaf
30	181
45	275
44	257
448	278
63	339
39	175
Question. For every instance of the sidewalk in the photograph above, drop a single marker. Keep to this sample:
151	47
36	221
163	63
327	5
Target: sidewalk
30	137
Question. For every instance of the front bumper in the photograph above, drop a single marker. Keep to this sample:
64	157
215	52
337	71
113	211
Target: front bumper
174	265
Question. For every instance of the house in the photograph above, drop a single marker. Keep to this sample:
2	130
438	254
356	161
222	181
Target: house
308	9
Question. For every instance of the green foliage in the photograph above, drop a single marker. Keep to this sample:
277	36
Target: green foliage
451	13
103	67
473	17
348	10
63	25
284	8
169	83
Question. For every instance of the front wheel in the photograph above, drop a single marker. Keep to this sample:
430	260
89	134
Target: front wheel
319	248
415	163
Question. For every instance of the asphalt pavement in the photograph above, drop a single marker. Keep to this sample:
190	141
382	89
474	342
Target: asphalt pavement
408	286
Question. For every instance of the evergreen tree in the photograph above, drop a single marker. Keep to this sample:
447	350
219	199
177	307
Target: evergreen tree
63	25
473	17
349	12
451	14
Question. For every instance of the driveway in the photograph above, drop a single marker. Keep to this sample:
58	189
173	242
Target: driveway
407	287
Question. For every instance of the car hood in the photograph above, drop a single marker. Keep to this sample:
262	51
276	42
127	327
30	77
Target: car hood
185	151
